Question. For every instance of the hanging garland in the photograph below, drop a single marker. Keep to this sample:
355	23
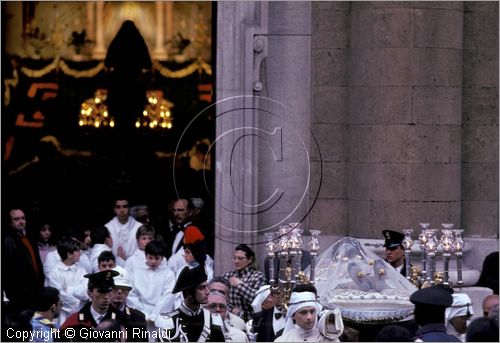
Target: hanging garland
42	72
198	65
81	73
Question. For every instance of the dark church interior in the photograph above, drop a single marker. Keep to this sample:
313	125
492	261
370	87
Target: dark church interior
59	159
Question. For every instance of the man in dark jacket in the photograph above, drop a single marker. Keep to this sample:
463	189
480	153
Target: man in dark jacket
394	251
22	269
135	319
79	326
430	306
268	321
190	322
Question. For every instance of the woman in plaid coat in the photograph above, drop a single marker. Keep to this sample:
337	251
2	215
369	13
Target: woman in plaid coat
245	280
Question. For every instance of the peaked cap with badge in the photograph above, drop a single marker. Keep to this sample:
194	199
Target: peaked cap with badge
103	281
393	239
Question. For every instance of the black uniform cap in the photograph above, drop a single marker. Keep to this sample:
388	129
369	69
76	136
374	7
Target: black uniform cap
103	281
434	295
190	278
393	239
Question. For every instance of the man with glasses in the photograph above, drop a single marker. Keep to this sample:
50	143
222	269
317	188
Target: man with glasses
123	229
217	304
221	285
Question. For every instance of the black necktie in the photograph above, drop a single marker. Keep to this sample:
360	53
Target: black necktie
278	315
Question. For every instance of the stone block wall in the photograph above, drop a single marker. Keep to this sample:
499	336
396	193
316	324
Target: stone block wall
480	120
330	114
405	107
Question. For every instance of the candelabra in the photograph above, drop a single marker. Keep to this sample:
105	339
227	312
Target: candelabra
156	114
270	247
450	243
313	246
431	249
458	244
422	237
94	111
446	243
407	245
288	250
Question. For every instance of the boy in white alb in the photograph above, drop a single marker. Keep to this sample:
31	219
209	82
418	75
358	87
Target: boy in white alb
101	241
106	261
68	278
144	235
53	256
123	229
151	283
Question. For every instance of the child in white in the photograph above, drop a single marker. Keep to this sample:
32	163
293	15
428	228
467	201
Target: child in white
145	234
101	241
151	283
53	256
68	278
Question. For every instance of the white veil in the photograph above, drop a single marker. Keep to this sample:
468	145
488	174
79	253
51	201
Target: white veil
361	284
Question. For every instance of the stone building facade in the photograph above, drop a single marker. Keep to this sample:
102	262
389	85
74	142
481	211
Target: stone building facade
384	114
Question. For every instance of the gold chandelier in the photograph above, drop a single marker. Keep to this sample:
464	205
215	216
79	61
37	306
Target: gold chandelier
94	111
156	113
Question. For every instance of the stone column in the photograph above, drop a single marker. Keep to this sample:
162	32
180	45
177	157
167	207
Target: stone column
90	20
235	167
480	123
159	52
169	18
405	115
284	162
99	49
263	114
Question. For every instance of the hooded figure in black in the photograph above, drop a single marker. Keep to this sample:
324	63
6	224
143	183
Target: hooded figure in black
129	65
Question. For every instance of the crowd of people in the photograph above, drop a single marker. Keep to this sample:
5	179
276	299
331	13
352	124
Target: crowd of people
126	281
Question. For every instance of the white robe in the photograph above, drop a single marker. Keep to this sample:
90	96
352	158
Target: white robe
124	235
72	286
138	260
53	257
151	287
96	250
232	334
294	335
236	322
